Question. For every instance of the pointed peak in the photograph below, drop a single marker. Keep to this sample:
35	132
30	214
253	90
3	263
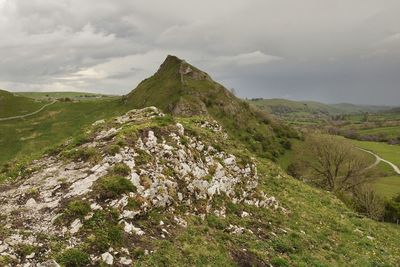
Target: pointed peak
172	61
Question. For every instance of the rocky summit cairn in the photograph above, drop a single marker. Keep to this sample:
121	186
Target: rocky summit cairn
85	199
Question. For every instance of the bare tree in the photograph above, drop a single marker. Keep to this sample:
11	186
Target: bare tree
334	163
368	202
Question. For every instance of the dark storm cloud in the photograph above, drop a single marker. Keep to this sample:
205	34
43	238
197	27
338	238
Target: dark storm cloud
334	51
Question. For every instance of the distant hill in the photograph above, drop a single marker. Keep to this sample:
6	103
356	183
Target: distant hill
13	105
181	89
284	106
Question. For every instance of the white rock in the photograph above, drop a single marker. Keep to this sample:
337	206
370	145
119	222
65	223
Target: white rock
128	228
31	203
30	256
98	122
180	196
107	258
95	206
49	263
245	214
180	221
125	261
138	231
3	247
151	140
230	161
75	226
181	130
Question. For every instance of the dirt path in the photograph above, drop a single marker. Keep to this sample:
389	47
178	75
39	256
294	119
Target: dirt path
29	114
379	159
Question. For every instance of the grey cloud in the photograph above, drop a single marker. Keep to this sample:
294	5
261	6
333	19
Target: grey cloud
332	51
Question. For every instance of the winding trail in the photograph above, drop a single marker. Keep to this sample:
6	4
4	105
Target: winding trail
379	159
29	114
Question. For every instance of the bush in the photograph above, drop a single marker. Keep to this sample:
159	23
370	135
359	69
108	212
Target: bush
113	149
104	231
216	222
74	258
120	169
369	203
84	154
77	209
392	210
164	120
279	262
142	158
113	186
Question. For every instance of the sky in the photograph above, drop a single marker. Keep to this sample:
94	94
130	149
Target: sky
325	50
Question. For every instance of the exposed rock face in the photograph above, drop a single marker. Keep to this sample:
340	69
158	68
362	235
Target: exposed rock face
168	167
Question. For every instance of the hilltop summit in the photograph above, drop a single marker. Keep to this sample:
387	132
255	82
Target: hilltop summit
181	89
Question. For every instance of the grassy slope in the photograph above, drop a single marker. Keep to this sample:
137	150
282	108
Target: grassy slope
319	231
31	136
12	105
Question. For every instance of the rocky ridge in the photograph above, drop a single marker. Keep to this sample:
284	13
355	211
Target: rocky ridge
141	163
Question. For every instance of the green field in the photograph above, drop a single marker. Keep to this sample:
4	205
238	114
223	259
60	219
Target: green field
389	184
29	137
76	96
390	132
386	151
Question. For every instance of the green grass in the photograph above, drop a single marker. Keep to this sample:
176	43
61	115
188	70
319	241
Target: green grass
74	257
390	132
112	186
388	186
12	105
28	138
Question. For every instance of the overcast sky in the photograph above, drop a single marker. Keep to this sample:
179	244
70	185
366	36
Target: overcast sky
326	50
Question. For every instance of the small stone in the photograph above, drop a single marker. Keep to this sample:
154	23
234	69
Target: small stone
31	203
245	214
49	263
181	130
107	258
75	226
125	261
3	248
30	256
